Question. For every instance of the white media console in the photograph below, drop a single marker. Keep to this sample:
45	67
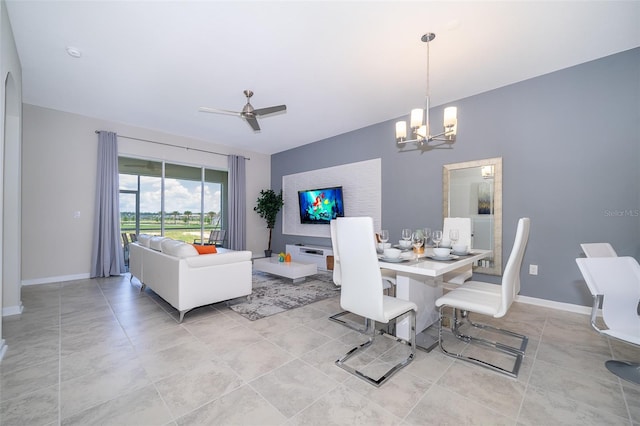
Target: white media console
310	254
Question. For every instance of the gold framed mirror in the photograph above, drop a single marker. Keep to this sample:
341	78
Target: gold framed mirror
473	189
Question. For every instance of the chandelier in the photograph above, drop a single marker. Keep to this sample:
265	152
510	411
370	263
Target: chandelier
419	119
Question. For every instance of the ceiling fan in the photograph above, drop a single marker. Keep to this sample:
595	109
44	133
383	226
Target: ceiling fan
248	112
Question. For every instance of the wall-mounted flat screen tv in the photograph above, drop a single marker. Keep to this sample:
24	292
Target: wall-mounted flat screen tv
319	206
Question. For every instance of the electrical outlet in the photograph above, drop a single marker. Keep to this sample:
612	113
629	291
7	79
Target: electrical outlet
533	269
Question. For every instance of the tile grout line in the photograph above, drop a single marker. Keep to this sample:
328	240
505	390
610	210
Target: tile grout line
620	384
535	356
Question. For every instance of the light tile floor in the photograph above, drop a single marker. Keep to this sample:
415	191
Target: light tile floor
100	352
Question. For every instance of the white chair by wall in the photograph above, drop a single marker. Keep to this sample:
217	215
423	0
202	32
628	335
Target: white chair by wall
489	299
362	293
463	225
388	279
615	282
598	250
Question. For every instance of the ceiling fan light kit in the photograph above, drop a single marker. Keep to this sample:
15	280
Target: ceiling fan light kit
248	113
419	120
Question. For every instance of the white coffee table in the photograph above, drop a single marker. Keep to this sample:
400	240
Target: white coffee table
295	270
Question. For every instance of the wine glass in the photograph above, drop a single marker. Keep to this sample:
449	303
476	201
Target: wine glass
454	235
427	235
384	236
437	237
406	234
417	240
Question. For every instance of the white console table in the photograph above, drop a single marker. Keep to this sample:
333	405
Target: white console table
310	254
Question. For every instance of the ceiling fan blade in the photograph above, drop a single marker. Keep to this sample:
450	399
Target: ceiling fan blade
252	122
219	111
270	110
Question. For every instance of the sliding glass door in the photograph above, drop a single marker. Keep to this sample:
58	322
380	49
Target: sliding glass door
183	202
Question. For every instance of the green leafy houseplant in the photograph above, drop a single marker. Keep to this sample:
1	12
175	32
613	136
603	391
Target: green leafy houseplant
267	206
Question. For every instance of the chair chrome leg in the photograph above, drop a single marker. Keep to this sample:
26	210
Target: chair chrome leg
386	376
348	324
455	329
516	353
524	340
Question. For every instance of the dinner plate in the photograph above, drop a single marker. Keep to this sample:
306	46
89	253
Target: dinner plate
460	253
392	260
441	258
398	246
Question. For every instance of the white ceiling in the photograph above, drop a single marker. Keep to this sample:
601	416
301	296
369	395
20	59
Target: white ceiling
337	65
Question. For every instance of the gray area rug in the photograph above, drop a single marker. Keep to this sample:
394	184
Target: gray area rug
272	294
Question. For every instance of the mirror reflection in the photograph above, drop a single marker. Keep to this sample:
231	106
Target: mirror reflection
473	189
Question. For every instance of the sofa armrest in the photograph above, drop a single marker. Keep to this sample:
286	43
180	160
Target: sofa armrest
222	258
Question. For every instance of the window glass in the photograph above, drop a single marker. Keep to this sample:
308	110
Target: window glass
150	205
215	197
182	202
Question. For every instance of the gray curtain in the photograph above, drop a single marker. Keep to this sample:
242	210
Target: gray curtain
237	222
107	257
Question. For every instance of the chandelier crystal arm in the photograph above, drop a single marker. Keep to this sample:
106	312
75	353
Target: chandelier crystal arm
439	137
441	144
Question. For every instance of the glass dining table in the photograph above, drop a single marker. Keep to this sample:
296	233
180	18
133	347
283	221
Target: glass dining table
419	279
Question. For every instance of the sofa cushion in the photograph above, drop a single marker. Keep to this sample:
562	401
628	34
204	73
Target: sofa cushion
144	239
178	249
223	257
156	243
209	249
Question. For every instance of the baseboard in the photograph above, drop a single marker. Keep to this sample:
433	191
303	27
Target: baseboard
12	310
50	280
561	306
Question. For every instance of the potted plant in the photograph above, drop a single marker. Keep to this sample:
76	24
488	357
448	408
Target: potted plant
267	206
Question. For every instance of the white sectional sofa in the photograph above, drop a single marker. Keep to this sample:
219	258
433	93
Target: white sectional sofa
186	279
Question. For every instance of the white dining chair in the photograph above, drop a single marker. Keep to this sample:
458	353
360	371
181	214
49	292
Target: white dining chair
489	299
463	225
614	283
598	250
388	280
362	292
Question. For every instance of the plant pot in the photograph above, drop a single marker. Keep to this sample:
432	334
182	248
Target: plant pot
267	253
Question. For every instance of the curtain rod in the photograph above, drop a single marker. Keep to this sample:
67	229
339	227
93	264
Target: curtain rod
172	145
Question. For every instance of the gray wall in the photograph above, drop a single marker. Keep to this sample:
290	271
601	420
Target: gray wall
570	143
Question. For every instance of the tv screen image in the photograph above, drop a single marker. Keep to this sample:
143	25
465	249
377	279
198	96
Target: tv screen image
319	206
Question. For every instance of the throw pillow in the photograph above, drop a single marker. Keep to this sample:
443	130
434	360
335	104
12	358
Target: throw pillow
205	249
